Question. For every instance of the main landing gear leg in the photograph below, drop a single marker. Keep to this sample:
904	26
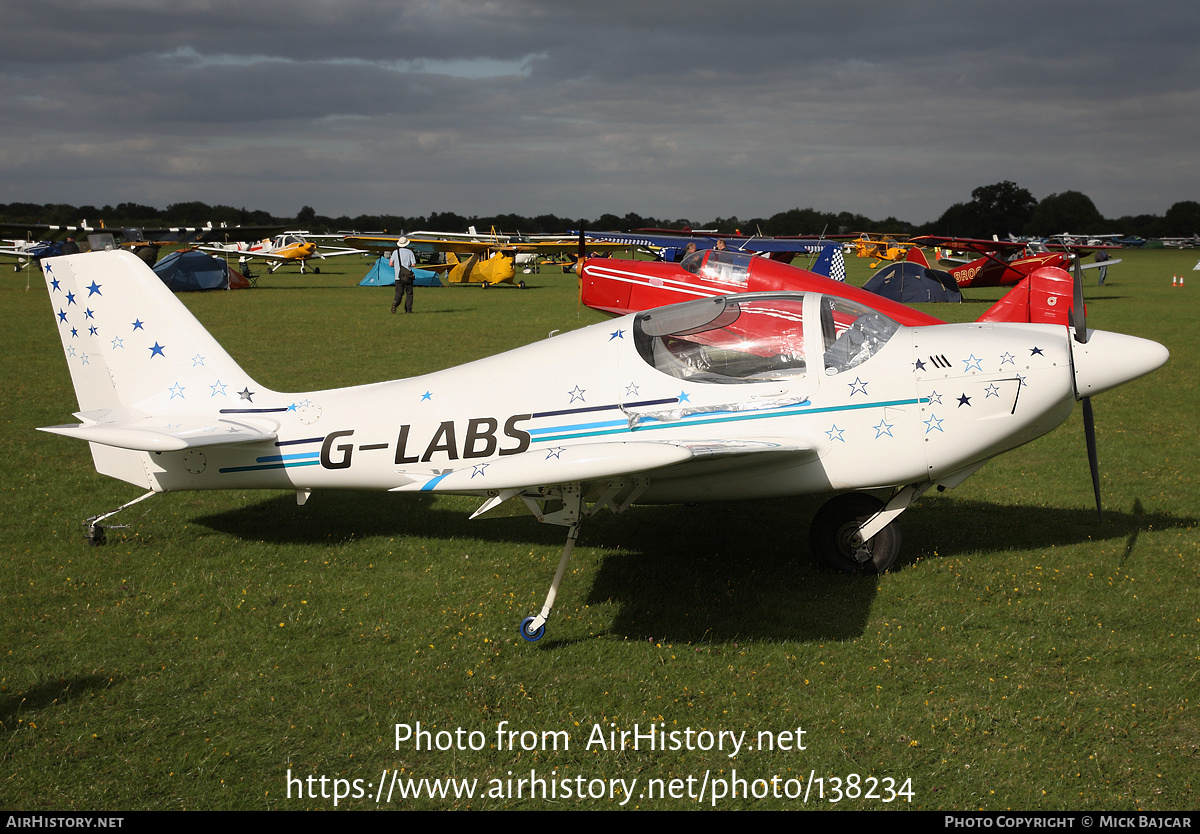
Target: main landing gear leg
568	515
532	628
95	531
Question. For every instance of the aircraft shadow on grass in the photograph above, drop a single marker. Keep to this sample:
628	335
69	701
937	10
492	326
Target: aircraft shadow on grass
712	573
43	694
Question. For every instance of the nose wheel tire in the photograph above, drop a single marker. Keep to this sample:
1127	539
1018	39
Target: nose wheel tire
835	541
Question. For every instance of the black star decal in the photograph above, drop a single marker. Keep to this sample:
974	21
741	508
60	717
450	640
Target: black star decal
920	365
1037	351
246	393
964	400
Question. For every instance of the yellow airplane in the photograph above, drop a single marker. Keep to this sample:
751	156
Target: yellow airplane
289	247
881	248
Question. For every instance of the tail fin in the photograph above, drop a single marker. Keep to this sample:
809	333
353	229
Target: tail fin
131	344
917	256
831	263
1042	297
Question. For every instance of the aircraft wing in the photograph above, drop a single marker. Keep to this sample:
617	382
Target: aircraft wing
965	244
164	433
458	247
336	253
551	465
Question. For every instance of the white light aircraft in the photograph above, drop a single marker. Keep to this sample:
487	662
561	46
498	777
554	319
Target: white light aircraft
745	396
289	247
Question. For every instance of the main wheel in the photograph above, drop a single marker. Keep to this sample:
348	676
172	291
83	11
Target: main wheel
532	636
834	536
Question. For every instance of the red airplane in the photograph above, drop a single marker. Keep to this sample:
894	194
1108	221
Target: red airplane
1002	262
617	287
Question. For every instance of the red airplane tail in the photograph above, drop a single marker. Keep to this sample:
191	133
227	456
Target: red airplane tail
1042	297
917	256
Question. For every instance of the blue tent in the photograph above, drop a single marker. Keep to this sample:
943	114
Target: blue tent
190	270
910	283
381	274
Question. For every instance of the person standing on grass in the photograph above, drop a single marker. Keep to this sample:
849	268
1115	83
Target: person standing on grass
402	260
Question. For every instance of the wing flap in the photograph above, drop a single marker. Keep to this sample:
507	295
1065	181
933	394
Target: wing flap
167	434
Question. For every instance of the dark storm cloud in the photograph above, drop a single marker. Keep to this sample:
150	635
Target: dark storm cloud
668	109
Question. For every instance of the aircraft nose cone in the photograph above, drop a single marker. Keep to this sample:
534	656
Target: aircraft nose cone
1111	359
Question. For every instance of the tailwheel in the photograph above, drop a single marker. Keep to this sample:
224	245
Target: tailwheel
836	542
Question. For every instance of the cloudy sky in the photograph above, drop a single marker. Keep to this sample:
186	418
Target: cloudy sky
572	107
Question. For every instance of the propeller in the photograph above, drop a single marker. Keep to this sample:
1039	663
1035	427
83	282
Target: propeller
1079	323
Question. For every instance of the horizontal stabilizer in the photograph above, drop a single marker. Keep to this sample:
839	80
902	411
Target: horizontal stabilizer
167	434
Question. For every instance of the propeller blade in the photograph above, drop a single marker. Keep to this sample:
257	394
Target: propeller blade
1078	314
1089	433
582	244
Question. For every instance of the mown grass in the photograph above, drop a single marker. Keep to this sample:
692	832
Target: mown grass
1020	656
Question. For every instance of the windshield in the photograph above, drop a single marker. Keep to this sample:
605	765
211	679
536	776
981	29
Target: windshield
721	265
852	333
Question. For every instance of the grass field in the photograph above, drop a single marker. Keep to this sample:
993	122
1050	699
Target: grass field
1020	655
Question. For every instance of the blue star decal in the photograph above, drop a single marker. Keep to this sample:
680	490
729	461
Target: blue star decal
835	433
971	360
1007	359
631	390
83	359
176	391
993	391
577	394
88	314
919	365
1036	351
62	316
70	350
616	334
137	324
933	423
94	289
858	387
964	400
935	398
117	342
478	469
74	333
555	452
53	283
197	360
217	388
881	428
70	298
427	396
93	330
157	350
684	398
1021	379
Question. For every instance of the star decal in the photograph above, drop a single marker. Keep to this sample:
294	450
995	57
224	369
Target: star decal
964	400
217	388
577	394
53	283
1035	351
631	390
291	407
246	393
993	391
74	333
62	316
478	468
933	423
94	289
83	359
684	398
835	433
919	365
176	391
70	298
935	398
881	428
1007	359
616	334
858	387
118	342
971	360
157	350
88	314
427	396
70	350
137	324
197	360
92	330
1021	379
555	452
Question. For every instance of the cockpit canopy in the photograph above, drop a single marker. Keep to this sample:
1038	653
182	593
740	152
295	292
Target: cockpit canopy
721	265
758	337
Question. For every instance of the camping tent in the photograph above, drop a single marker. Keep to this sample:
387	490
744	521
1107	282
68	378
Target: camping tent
190	270
909	283
381	274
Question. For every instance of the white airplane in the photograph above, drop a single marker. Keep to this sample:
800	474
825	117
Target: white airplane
745	396
289	247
